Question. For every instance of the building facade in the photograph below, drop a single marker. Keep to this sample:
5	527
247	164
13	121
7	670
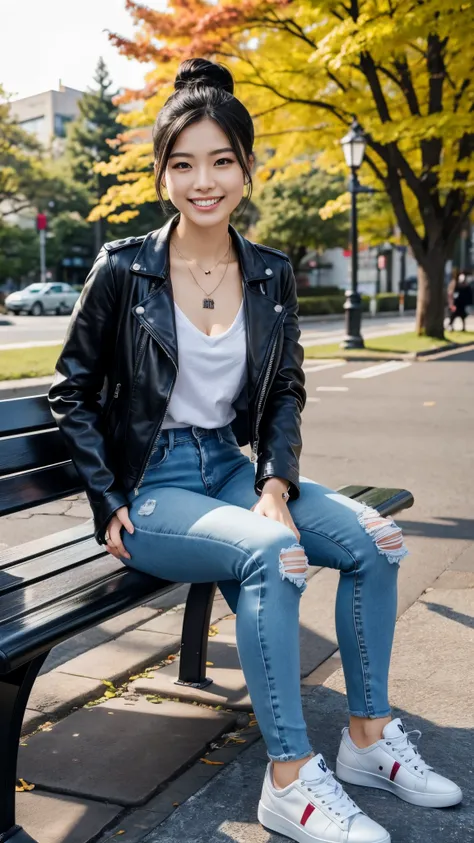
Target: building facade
46	115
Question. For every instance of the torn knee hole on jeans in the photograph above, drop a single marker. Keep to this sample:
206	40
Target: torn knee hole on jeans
294	565
386	534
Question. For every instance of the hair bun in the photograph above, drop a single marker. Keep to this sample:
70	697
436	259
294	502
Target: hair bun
193	72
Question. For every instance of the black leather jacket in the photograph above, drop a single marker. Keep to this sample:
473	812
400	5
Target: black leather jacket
116	372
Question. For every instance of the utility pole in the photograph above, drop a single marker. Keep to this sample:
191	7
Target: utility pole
41	225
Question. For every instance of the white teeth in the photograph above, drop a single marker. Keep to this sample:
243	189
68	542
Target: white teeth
205	202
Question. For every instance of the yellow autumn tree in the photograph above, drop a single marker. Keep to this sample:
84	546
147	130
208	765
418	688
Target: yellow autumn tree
304	69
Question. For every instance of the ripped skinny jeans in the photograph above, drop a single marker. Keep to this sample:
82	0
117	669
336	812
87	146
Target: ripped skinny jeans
193	524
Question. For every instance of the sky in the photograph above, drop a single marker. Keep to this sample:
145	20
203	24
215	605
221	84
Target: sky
45	41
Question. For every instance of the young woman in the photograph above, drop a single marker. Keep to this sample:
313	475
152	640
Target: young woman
195	331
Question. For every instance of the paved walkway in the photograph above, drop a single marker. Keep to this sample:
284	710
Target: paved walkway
133	766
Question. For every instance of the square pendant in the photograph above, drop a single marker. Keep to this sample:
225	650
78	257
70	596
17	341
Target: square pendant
208	304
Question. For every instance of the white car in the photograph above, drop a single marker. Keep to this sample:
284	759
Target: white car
41	298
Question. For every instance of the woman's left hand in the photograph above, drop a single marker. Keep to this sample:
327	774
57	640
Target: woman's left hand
272	505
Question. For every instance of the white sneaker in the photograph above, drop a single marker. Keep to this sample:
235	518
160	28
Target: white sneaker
394	764
315	809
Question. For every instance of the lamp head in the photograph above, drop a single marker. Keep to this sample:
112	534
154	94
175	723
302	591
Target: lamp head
353	145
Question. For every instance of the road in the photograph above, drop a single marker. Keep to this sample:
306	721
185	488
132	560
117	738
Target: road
26	331
407	425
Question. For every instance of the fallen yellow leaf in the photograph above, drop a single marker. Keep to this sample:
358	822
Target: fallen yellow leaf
24	786
213	630
209	664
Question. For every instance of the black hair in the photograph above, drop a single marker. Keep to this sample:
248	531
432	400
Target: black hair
203	89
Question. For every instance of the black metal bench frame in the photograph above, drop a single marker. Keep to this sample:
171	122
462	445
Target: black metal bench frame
35	468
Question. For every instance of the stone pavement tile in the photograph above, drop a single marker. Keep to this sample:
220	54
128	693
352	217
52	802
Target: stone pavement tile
32	720
141	820
134	827
317	642
55	691
32	527
128	621
125	622
123	655
323	671
121	751
439	682
453	579
51	818
80	510
318	638
228	687
465	561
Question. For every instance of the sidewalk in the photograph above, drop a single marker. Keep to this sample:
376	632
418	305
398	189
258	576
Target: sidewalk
133	767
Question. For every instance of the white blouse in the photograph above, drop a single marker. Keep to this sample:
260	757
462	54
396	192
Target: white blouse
212	372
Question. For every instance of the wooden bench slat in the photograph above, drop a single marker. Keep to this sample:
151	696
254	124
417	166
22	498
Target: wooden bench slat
34	450
21	574
22	415
22	603
353	491
33	488
59	613
51	542
387	501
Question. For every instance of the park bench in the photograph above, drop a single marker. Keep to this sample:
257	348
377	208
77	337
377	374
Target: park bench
63	584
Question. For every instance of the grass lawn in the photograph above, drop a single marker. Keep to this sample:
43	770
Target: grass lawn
385	346
28	362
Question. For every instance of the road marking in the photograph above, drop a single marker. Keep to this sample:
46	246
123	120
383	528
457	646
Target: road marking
332	389
332	364
378	369
310	398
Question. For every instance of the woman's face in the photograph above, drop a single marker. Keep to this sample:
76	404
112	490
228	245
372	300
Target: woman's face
203	166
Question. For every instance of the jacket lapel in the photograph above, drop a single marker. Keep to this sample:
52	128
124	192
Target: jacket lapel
158	316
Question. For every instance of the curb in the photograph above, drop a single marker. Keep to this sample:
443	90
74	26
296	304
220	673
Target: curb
409	355
339	317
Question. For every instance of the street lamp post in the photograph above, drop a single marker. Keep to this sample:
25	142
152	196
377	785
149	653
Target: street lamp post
353	145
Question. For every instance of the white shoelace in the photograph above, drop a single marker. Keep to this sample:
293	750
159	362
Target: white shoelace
408	752
332	795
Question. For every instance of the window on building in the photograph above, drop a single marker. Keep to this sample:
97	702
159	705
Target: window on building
60	123
35	126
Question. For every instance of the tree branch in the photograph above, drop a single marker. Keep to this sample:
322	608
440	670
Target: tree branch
394	190
407	87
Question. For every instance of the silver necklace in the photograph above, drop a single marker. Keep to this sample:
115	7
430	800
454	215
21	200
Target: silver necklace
208	302
206	271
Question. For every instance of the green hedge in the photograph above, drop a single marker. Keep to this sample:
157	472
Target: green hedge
326	305
309	292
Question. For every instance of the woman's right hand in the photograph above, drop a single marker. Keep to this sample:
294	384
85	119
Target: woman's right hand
114	543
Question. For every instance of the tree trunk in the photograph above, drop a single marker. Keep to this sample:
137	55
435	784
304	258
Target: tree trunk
430	309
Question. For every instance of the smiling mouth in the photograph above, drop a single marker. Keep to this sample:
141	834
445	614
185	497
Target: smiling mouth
206	203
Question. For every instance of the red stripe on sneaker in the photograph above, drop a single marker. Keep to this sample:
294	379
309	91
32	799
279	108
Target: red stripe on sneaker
306	814
395	770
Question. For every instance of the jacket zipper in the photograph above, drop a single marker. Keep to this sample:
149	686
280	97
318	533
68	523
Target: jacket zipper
157	430
141	346
261	401
114	396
